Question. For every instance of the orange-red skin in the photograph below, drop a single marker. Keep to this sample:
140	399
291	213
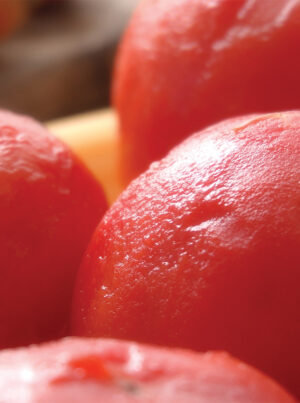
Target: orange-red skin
49	206
64	372
12	15
185	64
203	250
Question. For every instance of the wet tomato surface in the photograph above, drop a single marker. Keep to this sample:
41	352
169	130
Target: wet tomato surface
92	370
49	206
184	65
203	250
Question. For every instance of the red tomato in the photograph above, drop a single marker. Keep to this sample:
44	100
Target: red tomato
186	64
49	206
12	15
93	371
203	250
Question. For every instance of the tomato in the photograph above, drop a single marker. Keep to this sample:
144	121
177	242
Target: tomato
185	64
203	250
12	15
49	206
77	370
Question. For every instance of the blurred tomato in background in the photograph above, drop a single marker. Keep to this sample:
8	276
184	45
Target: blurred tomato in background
56	56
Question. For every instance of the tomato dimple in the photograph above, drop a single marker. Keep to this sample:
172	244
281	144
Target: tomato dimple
89	367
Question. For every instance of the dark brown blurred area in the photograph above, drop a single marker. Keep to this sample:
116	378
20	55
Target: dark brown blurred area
60	61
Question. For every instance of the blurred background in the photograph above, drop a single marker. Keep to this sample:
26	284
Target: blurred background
56	56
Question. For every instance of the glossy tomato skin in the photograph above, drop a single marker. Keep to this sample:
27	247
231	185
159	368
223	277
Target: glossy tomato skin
203	250
78	369
183	65
49	206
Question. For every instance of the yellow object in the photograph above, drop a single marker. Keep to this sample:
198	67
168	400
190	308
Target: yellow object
94	138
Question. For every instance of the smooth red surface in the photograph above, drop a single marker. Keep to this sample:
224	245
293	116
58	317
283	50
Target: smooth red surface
203	250
12	15
61	373
49	206
185	64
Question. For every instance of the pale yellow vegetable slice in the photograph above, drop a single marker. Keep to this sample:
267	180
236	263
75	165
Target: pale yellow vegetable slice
94	138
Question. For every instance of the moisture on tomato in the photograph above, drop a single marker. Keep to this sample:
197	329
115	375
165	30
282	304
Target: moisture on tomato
77	370
49	206
203	250
186	64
